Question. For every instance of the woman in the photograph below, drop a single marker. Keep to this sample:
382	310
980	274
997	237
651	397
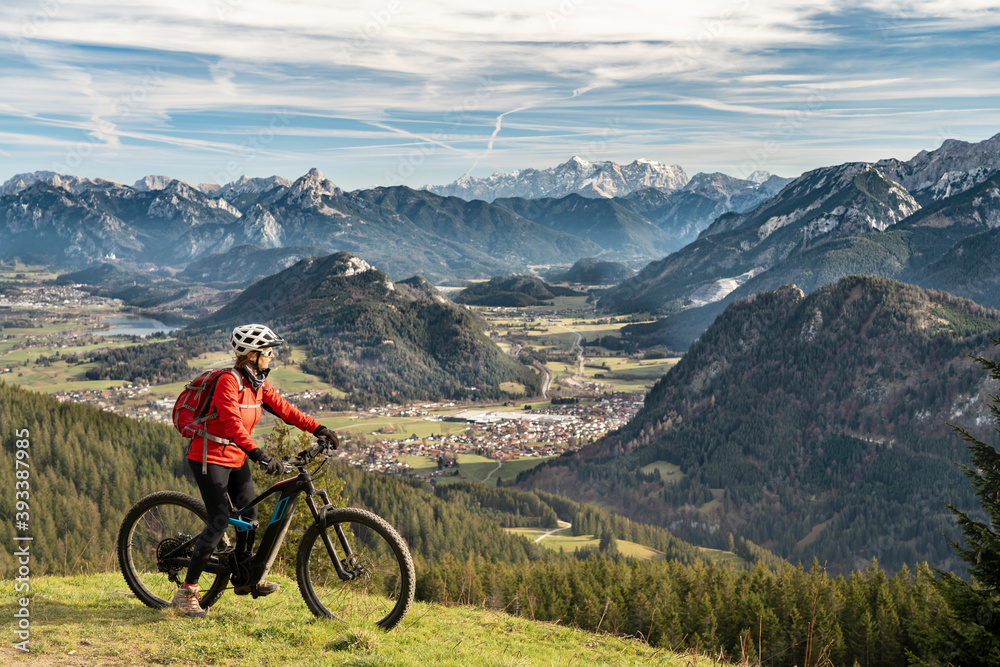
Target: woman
238	399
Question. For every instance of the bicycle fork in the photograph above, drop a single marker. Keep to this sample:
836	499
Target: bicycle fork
321	519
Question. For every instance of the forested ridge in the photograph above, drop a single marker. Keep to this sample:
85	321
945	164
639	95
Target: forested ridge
512	292
814	426
88	467
376	340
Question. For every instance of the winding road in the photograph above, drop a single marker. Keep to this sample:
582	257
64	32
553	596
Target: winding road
576	347
562	526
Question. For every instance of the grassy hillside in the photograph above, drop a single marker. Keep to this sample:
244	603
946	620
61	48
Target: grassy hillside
94	620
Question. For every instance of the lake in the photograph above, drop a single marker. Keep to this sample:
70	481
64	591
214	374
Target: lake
132	325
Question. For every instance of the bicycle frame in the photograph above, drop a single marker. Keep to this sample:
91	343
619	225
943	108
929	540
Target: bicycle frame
258	566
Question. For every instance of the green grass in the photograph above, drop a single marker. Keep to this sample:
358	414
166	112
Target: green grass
94	620
813	534
571	543
720	556
513	388
474	468
419	464
668	471
713	504
405	426
514	467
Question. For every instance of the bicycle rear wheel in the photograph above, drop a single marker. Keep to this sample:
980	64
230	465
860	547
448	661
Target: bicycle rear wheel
381	590
153	528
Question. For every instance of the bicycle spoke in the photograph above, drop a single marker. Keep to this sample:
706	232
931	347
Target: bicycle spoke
159	525
381	585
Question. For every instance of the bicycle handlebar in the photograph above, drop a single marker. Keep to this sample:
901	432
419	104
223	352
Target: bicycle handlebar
307	456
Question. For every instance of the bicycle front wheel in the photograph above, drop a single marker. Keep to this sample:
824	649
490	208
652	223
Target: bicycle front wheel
382	581
154	528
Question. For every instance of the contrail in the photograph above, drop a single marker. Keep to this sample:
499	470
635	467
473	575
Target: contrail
496	130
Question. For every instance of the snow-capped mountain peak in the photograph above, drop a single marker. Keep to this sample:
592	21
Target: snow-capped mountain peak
246	185
152	182
575	176
75	184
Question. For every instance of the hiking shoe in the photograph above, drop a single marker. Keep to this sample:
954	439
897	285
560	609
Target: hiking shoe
260	589
186	602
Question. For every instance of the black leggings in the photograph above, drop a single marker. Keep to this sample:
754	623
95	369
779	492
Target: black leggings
217	487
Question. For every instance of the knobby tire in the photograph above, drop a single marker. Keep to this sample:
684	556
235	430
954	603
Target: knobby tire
154	519
382	591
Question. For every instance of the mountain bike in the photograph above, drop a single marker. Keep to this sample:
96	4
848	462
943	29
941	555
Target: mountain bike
350	565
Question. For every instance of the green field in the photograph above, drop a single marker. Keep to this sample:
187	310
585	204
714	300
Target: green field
472	468
561	540
720	556
813	534
419	464
713	504
668	471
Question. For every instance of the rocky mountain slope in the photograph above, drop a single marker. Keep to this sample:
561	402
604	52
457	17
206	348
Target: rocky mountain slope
952	168
815	425
606	222
822	205
684	213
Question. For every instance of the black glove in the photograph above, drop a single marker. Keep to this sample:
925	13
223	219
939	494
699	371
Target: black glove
324	433
271	466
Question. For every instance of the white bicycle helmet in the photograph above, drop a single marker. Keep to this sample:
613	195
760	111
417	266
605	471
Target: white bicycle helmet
249	337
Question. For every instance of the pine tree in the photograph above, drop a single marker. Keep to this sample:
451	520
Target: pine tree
972	637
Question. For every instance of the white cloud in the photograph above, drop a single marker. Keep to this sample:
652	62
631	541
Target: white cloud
391	75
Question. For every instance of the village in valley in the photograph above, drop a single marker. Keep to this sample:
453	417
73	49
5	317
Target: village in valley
49	331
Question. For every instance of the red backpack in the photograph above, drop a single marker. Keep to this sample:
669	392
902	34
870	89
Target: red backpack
191	409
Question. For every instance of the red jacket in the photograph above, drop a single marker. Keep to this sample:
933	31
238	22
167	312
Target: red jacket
238	415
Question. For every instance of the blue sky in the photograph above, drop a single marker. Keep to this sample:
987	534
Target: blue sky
399	91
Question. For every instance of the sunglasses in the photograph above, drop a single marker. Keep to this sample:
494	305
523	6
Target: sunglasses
269	353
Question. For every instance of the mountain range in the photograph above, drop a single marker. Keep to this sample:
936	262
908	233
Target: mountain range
575	176
160	222
832	222
814	425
